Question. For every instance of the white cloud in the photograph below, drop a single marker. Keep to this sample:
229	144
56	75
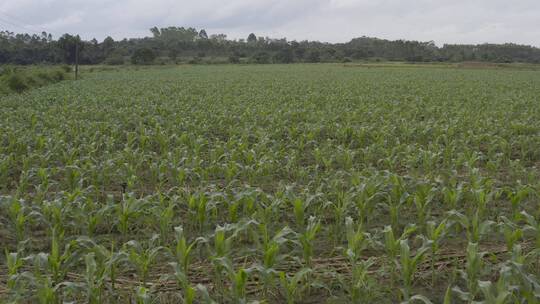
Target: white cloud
444	21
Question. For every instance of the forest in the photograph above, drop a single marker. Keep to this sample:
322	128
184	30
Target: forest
189	45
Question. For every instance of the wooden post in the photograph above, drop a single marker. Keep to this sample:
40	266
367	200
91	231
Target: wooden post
76	60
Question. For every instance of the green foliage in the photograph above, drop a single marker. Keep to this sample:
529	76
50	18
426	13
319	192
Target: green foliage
114	59
271	183
21	79
143	56
261	58
17	83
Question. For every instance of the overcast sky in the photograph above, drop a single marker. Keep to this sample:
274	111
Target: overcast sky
443	21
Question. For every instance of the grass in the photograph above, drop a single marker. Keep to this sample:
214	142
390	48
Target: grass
17	79
279	183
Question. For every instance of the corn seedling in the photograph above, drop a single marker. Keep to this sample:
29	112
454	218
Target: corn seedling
293	286
143	256
435	235
408	265
307	238
471	274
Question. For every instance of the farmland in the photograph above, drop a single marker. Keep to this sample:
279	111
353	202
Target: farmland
280	184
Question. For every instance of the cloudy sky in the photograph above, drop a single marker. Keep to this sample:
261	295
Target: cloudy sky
444	21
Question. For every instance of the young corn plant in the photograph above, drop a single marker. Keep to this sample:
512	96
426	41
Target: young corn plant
357	241
24	183
516	198
435	235
91	215
422	199
6	162
58	262
128	211
474	226
43	188
182	253
50	269
234	209
165	217
205	295
528	286
408	265
365	200
95	279
239	280
271	256
20	217
340	206
360	287
452	196
143	295
14	263
182	280
55	214
142	257
183	249
471	274
237	292
392	246
46	291
294	286
501	291
512	232
220	255
299	208
395	200
111	260
532	226
482	194
306	239
199	208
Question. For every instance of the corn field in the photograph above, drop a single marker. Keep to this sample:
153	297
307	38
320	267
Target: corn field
273	184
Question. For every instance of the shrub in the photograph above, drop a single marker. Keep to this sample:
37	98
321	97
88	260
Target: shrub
195	60
314	56
261	57
114	59
143	56
17	82
44	76
234	59
58	75
284	56
162	61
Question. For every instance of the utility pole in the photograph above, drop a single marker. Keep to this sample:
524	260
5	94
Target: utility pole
76	60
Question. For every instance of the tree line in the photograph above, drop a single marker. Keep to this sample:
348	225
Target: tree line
180	44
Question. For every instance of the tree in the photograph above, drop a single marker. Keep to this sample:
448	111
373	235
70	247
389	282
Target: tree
252	38
20	48
218	37
107	46
284	56
261	57
155	31
143	56
114	58
314	56
203	34
234	58
68	45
